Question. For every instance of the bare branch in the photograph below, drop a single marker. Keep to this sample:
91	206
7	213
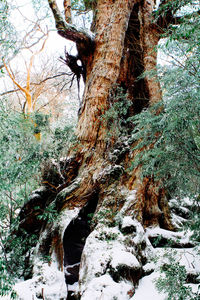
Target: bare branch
37	83
13	78
27	89
69	31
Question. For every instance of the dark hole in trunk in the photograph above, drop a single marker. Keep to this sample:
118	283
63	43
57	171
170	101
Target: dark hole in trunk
74	240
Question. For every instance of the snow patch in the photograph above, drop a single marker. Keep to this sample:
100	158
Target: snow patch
49	283
122	258
105	288
105	252
182	237
128	221
147	289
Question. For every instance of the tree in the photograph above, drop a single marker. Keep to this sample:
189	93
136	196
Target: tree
124	46
30	101
97	178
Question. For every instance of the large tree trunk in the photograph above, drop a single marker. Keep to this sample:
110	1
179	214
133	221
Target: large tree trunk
97	175
125	46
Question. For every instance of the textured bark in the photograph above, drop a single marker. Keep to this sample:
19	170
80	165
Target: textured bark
124	47
109	43
67	9
149	41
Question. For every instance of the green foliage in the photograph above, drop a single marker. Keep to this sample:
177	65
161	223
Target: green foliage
173	6
8	36
17	263
61	138
19	166
105	216
173	280
41	122
49	214
108	236
6	281
21	157
194	222
169	141
116	116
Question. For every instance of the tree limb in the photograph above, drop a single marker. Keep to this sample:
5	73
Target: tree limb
13	79
69	31
35	83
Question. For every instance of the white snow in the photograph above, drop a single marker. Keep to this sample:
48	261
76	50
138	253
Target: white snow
177	221
128	221
50	283
106	251
182	237
129	199
105	247
124	258
146	289
105	288
65	218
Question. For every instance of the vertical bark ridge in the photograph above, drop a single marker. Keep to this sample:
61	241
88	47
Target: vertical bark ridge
105	67
149	42
67	9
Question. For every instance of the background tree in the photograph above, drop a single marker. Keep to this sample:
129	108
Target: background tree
17	27
30	101
21	157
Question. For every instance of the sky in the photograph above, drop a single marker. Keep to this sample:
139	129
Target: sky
54	46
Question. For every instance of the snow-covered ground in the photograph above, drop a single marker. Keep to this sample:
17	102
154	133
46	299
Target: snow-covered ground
107	252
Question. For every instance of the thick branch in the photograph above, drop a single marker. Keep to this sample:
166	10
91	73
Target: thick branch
67	30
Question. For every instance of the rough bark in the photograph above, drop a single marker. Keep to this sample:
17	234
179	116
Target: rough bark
124	47
67	9
109	43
